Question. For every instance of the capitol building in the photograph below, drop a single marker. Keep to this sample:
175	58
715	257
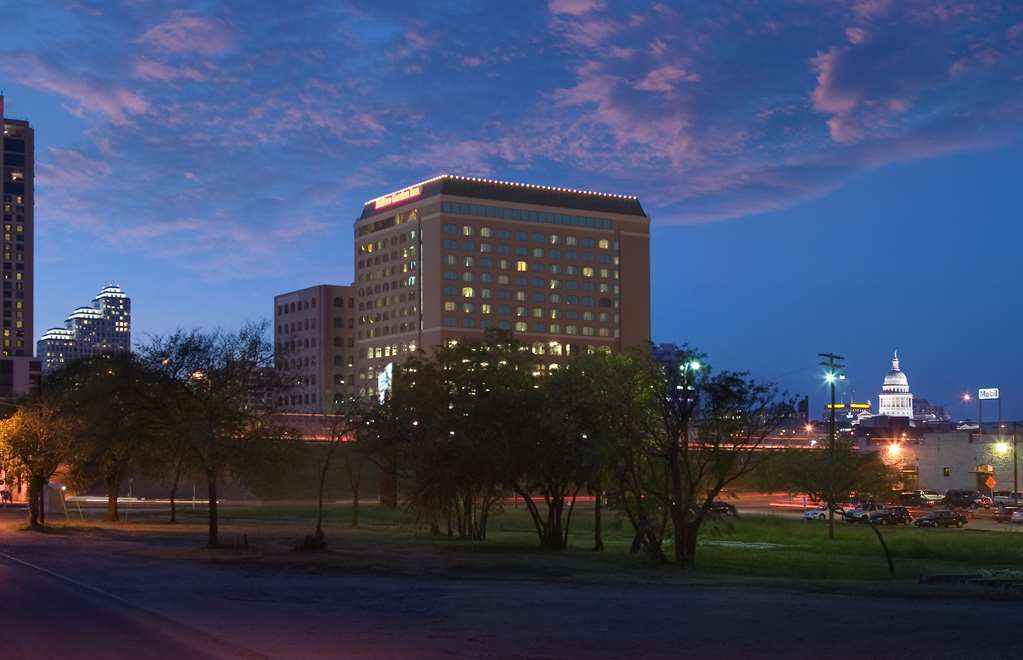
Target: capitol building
895	399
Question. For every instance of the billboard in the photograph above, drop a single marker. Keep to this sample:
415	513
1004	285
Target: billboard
987	393
384	381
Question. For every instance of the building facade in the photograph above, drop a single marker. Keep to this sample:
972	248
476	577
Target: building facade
566	271
17	162
314	346
895	399
101	329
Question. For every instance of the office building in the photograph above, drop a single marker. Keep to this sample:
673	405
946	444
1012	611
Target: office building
567	271
102	329
314	346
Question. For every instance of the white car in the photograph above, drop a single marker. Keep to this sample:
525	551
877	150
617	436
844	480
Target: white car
820	513
1017	517
1007	497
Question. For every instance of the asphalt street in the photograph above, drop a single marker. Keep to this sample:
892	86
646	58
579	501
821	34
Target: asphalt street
42	616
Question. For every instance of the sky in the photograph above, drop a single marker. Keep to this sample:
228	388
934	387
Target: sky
821	175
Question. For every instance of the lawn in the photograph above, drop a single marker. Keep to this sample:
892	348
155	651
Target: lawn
749	548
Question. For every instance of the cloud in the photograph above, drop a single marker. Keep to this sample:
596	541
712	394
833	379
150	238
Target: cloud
116	103
148	69
69	168
186	32
663	78
575	7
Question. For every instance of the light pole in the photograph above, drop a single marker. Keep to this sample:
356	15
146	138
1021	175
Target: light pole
830	377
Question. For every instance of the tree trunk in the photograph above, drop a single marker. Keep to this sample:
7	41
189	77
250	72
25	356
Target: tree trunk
213	540
319	501
598	532
355	505
113	490
173	492
35	492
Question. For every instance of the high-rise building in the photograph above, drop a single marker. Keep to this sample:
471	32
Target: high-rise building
567	271
314	346
19	372
101	329
17	149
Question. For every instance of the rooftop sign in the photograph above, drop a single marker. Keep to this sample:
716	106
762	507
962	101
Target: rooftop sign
987	393
393	198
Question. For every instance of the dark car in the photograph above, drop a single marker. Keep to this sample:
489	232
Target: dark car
966	499
722	509
890	515
1003	514
942	518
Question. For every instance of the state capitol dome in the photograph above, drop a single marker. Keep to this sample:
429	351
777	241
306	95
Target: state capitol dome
896	399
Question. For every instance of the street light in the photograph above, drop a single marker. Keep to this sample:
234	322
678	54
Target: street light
1001	448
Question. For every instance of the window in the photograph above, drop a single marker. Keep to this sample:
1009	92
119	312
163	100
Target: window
538	312
467	262
467	276
520	326
538	238
450	244
521	236
485	232
468	246
587	271
485	247
537	252
485	308
521	266
467	292
466	231
450	275
450	259
520	311
603	244
468	308
449	306
450	229
520	295
570	240
450	291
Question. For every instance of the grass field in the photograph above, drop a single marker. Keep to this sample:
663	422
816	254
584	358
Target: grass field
749	548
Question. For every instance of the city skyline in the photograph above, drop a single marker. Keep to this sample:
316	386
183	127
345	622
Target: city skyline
771	215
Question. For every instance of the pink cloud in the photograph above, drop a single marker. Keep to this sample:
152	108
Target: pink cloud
148	69
69	168
118	104
828	97
1015	31
855	35
664	78
185	32
575	7
472	61
871	8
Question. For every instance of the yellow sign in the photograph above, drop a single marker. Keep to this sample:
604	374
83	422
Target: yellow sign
395	197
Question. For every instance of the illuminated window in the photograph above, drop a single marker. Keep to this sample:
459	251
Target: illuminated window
555	329
520	295
587	271
485	232
537	252
486	293
521	266
520	311
570	240
485	308
520	326
467	292
467	276
468	308
603	244
449	306
538	312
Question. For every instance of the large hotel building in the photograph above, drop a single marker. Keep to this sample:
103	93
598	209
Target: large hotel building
566	271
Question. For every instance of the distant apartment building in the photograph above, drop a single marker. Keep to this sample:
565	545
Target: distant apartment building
314	346
103	328
18	370
566	271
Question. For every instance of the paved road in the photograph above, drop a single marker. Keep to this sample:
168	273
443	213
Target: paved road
285	613
42	616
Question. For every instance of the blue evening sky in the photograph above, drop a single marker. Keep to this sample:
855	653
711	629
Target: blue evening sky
822	175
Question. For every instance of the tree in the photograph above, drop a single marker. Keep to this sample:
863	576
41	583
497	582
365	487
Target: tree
706	431
339	431
219	395
807	471
34	442
109	395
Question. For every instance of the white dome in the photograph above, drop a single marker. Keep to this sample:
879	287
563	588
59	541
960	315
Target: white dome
896	378
896	399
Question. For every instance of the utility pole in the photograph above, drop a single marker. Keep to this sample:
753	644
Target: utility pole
832	364
1015	463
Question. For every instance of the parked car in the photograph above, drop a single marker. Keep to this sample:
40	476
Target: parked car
1007	497
821	512
920	498
967	499
890	515
941	518
722	509
1017	517
1003	514
860	513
